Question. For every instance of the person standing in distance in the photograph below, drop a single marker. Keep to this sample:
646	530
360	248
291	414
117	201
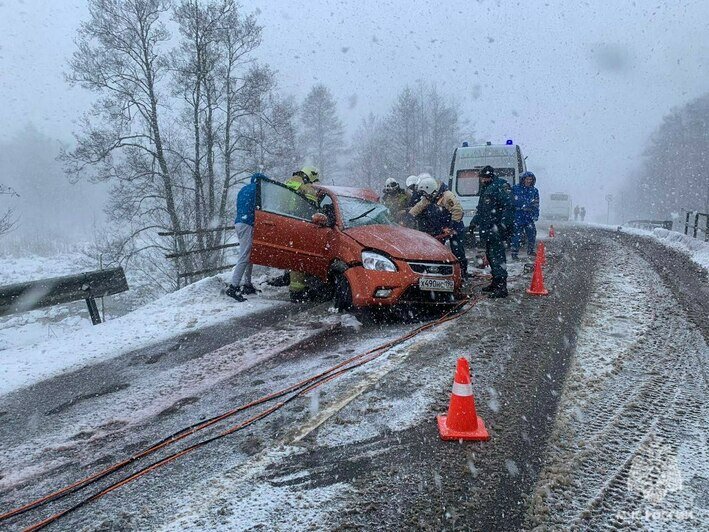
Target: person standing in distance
244	225
526	203
494	217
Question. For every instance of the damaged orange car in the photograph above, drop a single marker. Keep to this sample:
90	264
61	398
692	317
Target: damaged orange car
349	241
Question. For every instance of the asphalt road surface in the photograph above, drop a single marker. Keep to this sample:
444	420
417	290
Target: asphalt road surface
594	397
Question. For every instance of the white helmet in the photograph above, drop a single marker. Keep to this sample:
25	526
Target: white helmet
428	185
391	184
423	176
412	180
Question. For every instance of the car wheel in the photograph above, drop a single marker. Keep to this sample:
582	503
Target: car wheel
343	293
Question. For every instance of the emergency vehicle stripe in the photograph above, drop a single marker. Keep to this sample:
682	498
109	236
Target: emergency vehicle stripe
462	389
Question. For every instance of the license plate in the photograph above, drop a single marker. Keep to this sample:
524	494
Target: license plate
436	285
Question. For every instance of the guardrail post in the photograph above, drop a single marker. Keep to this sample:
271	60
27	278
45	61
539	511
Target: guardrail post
93	310
696	223
686	222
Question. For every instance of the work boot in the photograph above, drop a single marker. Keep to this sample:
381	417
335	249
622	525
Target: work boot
249	289
499	292
490	288
234	293
299	297
282	280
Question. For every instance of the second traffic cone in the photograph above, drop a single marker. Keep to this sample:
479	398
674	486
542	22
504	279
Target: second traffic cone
541	252
537	286
462	421
552	234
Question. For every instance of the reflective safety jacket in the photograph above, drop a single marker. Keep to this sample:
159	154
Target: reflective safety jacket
396	202
526	201
446	212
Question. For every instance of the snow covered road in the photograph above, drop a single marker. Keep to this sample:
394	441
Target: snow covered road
594	398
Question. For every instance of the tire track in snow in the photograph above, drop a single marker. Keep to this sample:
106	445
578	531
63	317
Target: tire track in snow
643	391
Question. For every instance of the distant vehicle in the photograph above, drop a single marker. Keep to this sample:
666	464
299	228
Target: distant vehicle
467	162
558	207
349	241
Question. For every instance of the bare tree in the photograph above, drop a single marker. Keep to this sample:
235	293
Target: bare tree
7	218
323	134
674	175
419	134
403	128
120	56
171	129
370	162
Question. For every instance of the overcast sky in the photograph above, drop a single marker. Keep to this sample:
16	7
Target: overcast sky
580	85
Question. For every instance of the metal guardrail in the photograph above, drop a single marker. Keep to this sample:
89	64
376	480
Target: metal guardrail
22	297
696	224
650	224
198	273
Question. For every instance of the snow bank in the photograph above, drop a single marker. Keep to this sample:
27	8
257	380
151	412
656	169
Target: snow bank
196	306
694	248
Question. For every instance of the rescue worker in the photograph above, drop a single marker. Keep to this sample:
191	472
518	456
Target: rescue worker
244	225
583	213
395	199
302	182
411	183
442	207
576	213
494	217
526	203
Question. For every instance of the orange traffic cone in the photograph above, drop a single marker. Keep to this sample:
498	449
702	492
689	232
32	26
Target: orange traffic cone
462	421
541	252
537	286
552	234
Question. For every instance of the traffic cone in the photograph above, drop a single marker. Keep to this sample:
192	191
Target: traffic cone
537	286
462	421
552	234
541	252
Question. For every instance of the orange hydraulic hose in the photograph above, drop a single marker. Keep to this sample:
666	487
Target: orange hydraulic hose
184	433
323	376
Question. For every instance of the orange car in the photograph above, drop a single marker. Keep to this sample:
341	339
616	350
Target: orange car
349	240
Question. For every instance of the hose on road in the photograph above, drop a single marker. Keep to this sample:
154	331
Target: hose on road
290	393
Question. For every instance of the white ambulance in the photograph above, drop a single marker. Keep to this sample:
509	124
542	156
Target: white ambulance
467	162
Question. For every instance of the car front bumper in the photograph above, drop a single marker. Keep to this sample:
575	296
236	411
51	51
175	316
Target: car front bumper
403	286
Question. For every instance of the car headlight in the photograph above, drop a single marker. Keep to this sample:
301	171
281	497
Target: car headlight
375	261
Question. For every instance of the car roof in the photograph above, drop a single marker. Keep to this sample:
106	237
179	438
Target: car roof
352	192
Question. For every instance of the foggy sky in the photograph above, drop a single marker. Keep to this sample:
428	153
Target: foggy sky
580	85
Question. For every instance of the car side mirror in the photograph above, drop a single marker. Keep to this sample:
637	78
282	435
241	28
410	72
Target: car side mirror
320	219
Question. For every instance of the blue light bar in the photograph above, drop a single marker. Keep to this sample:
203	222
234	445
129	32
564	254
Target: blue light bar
465	145
509	142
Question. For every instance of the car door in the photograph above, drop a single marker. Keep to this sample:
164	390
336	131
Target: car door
284	235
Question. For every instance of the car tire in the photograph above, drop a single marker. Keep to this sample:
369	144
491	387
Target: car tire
342	293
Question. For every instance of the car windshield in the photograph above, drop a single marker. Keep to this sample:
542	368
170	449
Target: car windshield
357	212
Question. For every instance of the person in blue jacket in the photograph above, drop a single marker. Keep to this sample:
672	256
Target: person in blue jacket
244	225
526	203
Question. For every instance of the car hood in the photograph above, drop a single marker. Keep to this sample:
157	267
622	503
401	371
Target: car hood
401	242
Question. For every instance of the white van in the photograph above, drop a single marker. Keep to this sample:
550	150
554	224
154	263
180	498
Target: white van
558	207
467	162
